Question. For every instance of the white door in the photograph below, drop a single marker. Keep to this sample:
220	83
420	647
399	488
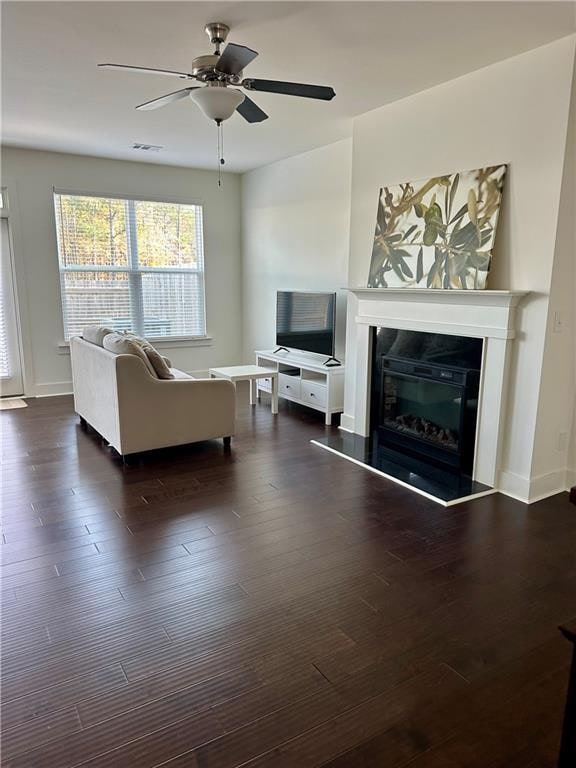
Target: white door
10	363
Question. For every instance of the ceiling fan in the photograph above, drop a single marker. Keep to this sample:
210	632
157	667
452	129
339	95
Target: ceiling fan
218	72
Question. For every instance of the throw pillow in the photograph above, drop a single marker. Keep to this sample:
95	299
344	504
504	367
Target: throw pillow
95	334
123	345
157	361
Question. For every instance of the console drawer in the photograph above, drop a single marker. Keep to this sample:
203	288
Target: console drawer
289	385
315	394
265	384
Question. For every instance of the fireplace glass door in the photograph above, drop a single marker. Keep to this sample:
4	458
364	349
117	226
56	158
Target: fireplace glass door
422	409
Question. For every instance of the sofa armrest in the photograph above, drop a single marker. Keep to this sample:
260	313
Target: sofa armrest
160	412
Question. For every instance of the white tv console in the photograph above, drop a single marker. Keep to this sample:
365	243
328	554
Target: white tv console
304	379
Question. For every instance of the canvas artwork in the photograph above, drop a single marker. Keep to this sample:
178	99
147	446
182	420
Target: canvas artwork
438	232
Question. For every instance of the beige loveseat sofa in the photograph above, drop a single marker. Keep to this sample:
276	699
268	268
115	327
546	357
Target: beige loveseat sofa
134	411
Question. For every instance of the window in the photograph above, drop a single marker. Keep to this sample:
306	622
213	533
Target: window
5	367
133	265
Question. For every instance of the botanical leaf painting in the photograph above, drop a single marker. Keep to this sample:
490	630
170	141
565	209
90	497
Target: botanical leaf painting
437	233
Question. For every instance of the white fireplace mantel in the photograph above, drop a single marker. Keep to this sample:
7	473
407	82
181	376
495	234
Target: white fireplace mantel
490	315
475	313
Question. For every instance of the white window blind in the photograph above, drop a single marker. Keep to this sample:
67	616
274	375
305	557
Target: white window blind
133	265
5	370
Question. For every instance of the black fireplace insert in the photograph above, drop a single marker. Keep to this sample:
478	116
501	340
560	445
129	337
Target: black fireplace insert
425	403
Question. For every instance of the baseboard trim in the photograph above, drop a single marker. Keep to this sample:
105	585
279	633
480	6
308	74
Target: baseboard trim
514	485
51	389
549	484
529	490
347	423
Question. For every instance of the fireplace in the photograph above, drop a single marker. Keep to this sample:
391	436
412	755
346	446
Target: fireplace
424	397
442	330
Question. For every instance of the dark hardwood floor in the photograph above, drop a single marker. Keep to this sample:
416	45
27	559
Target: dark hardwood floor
270	606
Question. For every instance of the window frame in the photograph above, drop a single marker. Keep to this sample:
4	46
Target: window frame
134	273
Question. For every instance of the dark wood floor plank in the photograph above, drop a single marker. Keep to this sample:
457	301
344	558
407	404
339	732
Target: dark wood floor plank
39	732
123	559
64	587
63	695
269	606
99	744
377	703
242	744
202	693
274	694
19	642
427	731
159	745
19	559
75	663
234	651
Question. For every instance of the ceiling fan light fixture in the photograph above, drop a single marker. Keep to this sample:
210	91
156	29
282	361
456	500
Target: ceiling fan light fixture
217	101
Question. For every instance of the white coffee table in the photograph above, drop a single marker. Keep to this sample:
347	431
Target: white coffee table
250	373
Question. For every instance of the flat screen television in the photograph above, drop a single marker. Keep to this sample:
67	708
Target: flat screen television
306	321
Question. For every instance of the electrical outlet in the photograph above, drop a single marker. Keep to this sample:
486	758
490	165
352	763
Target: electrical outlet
558	322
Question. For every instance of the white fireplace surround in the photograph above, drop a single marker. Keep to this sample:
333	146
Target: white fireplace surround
489	315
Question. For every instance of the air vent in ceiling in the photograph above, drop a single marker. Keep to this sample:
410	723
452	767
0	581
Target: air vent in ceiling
147	147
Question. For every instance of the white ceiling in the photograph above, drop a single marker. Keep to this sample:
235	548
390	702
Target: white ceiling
54	97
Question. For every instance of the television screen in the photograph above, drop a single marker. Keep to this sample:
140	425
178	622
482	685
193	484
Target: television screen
306	321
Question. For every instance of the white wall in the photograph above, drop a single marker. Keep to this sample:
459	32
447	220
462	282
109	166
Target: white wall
570	170
553	454
295	224
512	112
30	177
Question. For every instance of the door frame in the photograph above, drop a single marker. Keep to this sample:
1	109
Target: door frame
8	211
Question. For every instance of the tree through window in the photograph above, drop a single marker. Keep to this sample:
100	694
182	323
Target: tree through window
131	264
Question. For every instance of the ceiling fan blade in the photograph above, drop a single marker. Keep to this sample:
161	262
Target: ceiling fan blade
251	112
148	70
290	89
235	58
168	99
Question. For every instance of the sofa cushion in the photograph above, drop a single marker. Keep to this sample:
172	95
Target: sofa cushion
161	368
95	334
124	345
176	374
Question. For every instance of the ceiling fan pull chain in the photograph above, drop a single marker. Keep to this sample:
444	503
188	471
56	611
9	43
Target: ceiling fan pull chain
218	150
221	160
